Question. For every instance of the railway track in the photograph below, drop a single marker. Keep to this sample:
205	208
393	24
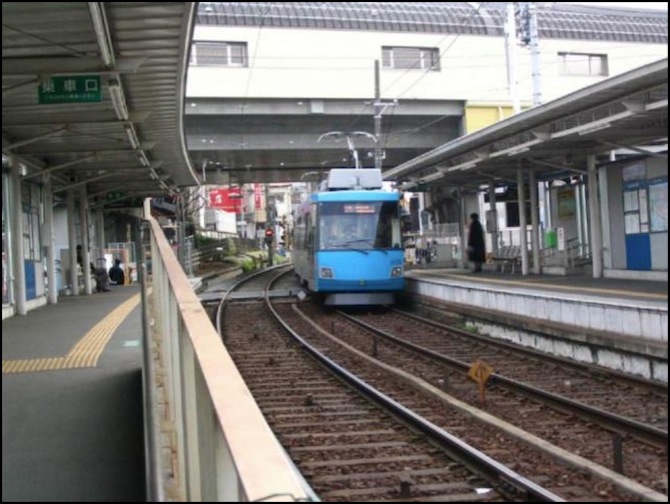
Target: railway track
629	405
598	436
321	432
346	439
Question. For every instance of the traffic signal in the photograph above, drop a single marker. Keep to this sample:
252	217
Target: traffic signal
269	234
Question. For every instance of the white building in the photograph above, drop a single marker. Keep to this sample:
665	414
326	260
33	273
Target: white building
266	80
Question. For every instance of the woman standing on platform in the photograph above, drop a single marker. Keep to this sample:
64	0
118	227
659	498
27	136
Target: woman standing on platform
476	243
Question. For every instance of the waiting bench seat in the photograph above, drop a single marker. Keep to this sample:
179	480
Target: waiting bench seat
507	255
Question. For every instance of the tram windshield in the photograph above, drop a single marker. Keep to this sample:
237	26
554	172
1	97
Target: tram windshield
359	225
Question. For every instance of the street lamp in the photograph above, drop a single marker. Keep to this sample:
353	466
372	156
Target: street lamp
350	143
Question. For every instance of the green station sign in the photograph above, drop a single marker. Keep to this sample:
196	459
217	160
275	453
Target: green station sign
70	89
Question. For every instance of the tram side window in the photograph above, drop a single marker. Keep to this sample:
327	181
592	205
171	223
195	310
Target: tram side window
311	228
388	227
299	233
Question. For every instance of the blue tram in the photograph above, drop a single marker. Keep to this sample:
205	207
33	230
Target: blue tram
347	240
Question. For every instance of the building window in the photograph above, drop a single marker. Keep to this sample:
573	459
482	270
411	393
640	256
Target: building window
583	64
420	58
232	54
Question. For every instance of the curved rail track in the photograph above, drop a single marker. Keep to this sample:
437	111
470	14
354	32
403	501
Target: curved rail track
342	451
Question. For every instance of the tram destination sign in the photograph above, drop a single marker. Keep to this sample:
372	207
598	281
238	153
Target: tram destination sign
70	89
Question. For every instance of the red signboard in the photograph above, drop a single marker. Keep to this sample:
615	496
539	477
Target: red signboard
226	199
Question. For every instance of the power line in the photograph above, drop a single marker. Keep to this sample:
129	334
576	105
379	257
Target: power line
466	22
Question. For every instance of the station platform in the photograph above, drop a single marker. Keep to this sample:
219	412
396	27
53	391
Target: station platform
72	421
72	415
620	324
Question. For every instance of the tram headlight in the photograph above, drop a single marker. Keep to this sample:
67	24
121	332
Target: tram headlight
396	271
325	273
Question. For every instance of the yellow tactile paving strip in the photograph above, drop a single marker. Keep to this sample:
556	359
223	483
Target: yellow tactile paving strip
85	353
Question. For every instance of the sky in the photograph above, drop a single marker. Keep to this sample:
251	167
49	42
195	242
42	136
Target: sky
631	5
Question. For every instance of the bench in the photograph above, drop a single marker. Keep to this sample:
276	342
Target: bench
507	255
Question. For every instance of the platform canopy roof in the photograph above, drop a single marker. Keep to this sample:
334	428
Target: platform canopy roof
627	114
92	94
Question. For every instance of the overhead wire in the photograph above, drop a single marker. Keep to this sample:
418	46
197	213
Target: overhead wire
456	36
465	23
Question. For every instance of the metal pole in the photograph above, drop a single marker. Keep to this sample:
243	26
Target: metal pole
139	256
535	54
584	225
182	231
594	214
523	240
582	219
17	230
464	230
49	240
72	243
510	52
85	242
534	222
100	236
378	119
494	231
147	208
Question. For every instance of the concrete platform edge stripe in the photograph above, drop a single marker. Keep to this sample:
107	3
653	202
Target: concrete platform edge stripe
593	290
86	351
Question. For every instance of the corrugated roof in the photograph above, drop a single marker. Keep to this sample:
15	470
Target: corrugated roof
556	20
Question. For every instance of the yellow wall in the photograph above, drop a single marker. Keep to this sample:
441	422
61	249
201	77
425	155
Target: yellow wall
479	117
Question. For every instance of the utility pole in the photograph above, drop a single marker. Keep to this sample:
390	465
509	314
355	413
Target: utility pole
380	107
269	226
530	37
378	119
510	52
535	54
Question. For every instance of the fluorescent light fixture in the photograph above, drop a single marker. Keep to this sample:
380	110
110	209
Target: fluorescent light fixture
102	32
600	124
519	150
118	100
144	161
462	166
432	176
132	136
153	174
594	127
